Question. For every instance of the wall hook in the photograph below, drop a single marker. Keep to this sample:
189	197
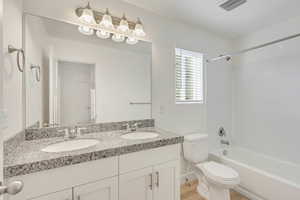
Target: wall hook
37	70
12	49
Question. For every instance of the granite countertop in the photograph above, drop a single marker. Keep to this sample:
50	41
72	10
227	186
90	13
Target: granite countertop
28	158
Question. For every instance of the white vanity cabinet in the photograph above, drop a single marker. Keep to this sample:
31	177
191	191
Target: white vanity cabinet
166	181
144	175
39	185
61	195
153	183
150	175
136	185
106	189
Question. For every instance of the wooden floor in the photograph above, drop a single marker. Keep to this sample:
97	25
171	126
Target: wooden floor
189	192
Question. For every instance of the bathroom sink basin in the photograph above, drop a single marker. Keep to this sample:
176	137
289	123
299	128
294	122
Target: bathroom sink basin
70	145
139	135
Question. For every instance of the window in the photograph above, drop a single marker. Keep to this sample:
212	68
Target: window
189	76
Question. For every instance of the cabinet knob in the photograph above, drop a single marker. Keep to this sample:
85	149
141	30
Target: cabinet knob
12	188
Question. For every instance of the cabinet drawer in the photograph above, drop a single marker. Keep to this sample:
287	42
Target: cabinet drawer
61	195
53	180
142	159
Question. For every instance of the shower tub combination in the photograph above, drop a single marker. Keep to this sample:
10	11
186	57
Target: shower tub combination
262	177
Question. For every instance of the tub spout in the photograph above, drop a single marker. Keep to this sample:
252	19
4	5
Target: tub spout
226	142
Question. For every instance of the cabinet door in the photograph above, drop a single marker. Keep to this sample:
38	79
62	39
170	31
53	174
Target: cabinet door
166	181
61	195
136	185
106	189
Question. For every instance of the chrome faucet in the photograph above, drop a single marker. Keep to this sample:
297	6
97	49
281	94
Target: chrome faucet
65	131
135	126
75	132
131	128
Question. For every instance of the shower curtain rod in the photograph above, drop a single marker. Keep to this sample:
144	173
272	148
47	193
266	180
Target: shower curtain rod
229	56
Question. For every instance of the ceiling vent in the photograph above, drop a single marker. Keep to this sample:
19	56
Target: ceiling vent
230	4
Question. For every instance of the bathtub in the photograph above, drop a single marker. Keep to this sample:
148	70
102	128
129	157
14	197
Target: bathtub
262	177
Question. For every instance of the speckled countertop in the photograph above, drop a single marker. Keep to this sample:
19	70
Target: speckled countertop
28	158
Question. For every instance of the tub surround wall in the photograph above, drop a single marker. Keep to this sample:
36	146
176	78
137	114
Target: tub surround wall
266	94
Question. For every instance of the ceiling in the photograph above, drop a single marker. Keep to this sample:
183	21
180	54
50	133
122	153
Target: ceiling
249	17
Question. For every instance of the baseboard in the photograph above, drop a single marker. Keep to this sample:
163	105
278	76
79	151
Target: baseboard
247	193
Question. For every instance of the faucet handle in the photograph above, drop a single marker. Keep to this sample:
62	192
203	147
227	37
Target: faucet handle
126	126
79	129
66	132
136	125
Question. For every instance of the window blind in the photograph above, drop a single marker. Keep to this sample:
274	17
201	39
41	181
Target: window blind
189	76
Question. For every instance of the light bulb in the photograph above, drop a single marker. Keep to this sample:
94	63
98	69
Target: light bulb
86	30
87	15
139	29
103	34
131	40
123	26
118	37
106	20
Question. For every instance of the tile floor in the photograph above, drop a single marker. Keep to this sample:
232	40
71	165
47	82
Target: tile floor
189	192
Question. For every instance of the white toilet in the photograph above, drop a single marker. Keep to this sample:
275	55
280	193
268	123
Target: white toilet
215	179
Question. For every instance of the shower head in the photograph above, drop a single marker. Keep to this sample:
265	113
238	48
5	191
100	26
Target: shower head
229	5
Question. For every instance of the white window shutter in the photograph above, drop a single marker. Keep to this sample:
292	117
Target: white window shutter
189	76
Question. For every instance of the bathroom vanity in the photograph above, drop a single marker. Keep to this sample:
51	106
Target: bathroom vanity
114	169
74	84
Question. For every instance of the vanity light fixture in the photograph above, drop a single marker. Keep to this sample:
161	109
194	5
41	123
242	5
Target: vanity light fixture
86	30
106	21
139	29
103	34
87	15
131	40
123	26
107	26
117	37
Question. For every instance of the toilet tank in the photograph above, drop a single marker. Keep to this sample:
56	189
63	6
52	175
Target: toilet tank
195	147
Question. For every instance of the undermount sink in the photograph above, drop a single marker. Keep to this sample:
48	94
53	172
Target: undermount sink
139	135
70	145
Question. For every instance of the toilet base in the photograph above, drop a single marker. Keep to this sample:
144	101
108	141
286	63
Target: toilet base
203	190
213	193
217	193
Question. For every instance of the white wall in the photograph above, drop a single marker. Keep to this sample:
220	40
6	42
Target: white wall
12	78
266	93
2	121
165	35
35	48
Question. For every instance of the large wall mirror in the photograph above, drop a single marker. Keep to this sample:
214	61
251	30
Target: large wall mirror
73	78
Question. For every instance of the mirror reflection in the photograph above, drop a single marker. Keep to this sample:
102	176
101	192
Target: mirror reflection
73	78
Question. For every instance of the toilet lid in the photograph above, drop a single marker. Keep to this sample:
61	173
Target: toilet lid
218	171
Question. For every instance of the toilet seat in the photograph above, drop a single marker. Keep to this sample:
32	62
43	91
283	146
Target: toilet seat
219	173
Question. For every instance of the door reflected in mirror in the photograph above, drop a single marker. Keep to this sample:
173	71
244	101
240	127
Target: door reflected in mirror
75	101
